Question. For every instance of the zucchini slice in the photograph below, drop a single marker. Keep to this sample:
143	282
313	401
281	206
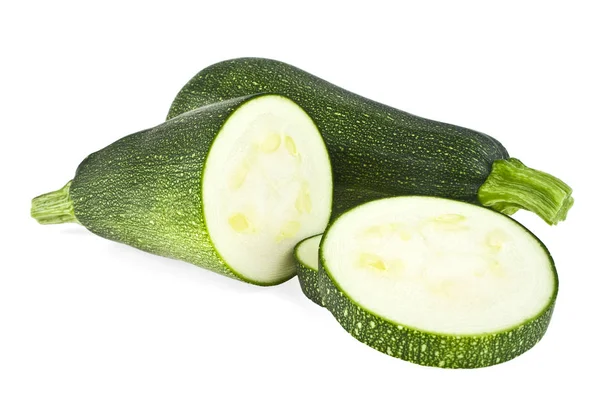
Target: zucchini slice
437	282
307	267
231	187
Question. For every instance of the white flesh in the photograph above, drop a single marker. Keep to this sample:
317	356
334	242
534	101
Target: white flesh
266	186
308	252
439	265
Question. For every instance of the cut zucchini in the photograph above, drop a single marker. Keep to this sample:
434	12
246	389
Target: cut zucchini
437	282
307	251
219	187
307	267
260	198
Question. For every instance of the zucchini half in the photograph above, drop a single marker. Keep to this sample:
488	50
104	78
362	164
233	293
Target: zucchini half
437	282
230	187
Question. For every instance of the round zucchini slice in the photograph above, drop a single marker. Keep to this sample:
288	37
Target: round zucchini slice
437	282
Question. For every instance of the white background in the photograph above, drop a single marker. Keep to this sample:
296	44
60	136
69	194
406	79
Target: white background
85	322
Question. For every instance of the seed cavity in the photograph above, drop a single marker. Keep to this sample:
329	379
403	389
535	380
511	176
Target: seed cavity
450	222
381	231
238	177
396	265
402	231
405	235
271	143
303	201
443	288
290	146
372	261
496	240
239	222
289	230
450	218
375	231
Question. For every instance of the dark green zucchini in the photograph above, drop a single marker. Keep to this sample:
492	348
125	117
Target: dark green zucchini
380	148
230	187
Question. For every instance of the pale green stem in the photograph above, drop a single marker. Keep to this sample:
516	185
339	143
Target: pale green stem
512	186
54	208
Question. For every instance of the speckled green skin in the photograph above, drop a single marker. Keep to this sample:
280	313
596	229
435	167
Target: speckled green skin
308	277
309	282
346	198
431	349
144	190
426	348
370	144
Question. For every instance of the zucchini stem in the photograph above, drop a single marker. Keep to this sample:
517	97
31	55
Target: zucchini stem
55	207
512	186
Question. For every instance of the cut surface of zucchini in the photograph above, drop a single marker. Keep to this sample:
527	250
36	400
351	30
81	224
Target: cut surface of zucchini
437	271
267	185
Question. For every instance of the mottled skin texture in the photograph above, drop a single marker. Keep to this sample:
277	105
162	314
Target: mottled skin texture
309	281
370	144
347	197
144	190
437	350
432	349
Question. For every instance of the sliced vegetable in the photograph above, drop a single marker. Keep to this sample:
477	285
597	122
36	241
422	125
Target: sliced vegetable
307	267
217	187
437	282
379	148
306	252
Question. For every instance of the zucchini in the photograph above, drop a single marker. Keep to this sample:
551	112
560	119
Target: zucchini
230	187
346	197
437	282
306	254
380	148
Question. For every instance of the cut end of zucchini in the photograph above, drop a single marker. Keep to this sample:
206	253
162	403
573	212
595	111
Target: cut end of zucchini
257	195
465	272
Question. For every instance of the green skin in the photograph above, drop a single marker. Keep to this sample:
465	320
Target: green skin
308	277
347	198
384	149
144	190
427	348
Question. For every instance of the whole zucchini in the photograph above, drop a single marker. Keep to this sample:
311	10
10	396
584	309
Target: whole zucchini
380	148
230	187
